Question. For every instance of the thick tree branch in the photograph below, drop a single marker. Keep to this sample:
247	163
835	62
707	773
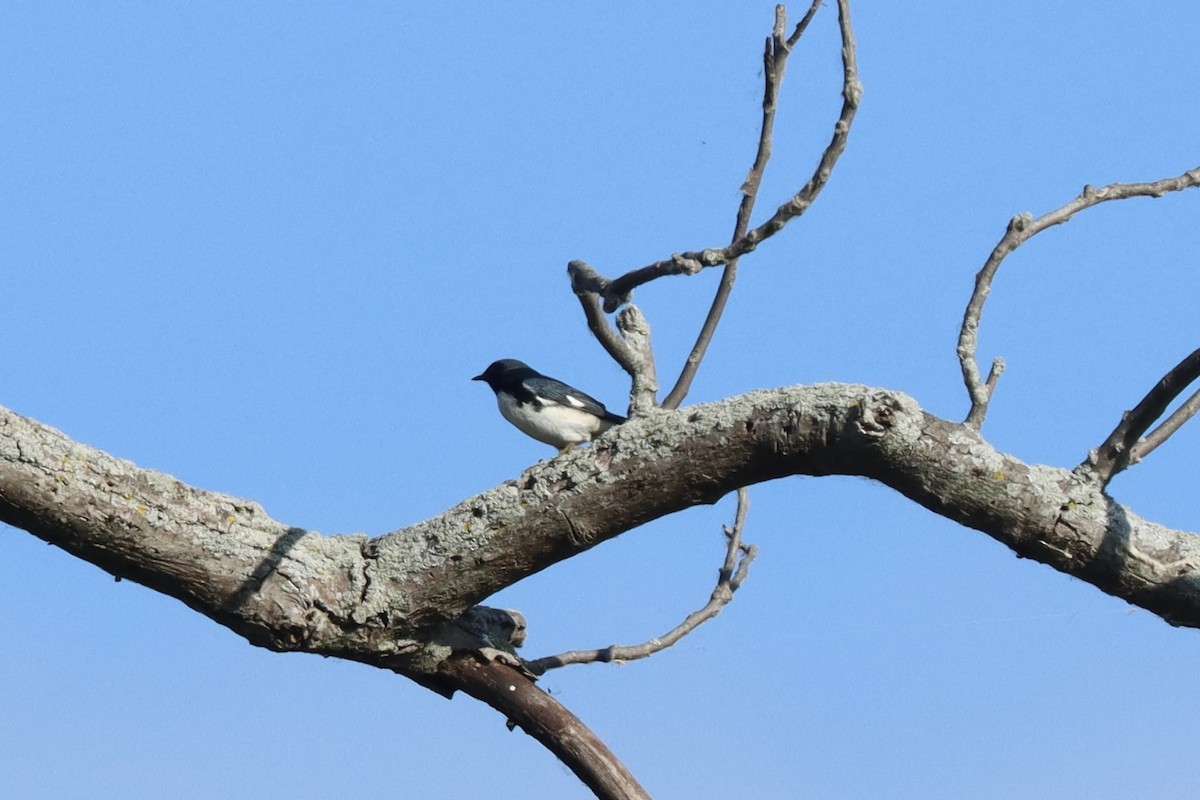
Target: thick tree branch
1120	449
1021	229
513	694
616	292
729	579
387	601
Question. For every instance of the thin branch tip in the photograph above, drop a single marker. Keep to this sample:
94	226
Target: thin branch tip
1125	446
1156	437
743	241
994	374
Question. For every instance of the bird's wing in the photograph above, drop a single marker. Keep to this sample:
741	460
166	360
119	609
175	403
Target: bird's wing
551	392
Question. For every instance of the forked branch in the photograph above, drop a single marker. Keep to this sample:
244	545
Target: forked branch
1021	229
1125	445
1163	432
614	293
630	348
775	54
729	579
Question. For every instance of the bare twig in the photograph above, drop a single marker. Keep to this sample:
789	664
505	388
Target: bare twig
802	25
729	579
1121	448
734	570
1163	432
775	55
515	695
1020	229
616	292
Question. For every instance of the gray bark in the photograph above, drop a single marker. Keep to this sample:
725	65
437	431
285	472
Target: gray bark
393	601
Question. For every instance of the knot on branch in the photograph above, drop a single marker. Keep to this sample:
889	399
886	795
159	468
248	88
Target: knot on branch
494	632
853	93
685	264
1020	222
490	634
874	416
501	626
585	279
633	325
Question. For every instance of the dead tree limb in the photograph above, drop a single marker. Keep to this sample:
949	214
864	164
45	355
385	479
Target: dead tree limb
616	292
528	707
1121	448
386	600
729	579
1021	229
775	54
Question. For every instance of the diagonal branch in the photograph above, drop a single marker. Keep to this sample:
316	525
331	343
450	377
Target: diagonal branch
1120	449
1020	229
518	698
616	292
729	579
1163	432
775	54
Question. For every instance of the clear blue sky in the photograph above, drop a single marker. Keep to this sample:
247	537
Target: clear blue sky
262	247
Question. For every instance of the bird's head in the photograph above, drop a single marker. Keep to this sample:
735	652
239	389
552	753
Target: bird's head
499	373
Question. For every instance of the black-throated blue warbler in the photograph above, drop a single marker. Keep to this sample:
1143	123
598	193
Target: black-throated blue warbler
544	408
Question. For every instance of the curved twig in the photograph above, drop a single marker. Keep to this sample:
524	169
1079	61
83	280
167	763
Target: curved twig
1121	449
729	579
1021	228
588	286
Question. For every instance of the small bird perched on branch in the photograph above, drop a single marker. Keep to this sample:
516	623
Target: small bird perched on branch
544	408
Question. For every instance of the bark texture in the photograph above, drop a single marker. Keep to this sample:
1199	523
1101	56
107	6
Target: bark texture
398	600
545	719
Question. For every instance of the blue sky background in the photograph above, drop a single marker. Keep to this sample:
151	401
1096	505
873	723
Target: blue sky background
263	247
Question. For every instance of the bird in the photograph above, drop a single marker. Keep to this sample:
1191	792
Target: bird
544	408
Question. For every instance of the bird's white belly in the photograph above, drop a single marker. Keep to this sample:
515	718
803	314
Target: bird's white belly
553	424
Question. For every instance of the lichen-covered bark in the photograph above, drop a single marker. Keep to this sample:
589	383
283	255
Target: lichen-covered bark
388	600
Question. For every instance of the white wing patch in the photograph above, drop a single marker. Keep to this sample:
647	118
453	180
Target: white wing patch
567	400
